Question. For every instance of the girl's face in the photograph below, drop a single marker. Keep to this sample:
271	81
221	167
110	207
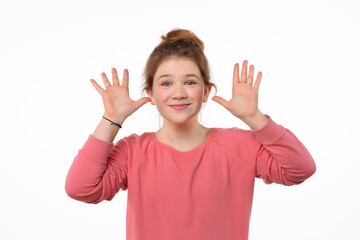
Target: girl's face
178	90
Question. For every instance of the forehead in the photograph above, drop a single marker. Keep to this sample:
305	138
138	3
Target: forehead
177	67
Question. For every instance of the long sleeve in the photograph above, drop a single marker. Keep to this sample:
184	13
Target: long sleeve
280	156
98	171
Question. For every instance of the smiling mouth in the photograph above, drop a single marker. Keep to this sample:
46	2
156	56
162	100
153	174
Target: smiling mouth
179	106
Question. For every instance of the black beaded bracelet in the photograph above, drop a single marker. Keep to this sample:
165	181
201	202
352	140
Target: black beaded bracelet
113	123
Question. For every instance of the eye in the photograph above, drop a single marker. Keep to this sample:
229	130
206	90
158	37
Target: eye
190	83
166	84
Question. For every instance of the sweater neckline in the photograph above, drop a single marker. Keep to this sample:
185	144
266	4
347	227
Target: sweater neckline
185	153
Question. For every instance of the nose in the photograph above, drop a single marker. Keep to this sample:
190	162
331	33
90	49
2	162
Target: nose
179	92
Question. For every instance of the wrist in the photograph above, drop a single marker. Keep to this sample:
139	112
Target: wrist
112	122
114	119
257	121
105	131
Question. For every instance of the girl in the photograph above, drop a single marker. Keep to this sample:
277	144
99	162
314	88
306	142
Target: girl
185	181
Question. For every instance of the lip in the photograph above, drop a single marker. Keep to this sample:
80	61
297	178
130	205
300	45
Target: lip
179	106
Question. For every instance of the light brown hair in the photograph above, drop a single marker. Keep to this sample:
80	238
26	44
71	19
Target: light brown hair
177	43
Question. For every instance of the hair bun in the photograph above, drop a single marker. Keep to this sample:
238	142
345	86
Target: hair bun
178	34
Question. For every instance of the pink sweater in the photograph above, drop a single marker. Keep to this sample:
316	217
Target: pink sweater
203	194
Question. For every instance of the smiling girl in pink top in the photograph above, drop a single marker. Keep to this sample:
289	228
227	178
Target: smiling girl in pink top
185	181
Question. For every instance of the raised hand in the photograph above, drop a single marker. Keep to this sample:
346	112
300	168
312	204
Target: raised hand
117	103
244	101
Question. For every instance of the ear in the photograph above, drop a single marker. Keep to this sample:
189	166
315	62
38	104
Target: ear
150	94
207	90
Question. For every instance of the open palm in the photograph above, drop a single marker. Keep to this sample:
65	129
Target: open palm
244	101
117	102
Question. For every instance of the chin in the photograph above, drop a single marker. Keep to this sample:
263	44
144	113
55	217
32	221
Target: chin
180	120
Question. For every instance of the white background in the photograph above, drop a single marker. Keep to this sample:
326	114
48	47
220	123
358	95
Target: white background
308	52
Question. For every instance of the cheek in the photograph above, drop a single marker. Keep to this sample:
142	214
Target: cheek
161	96
196	93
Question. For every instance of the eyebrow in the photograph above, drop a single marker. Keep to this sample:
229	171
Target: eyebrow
186	75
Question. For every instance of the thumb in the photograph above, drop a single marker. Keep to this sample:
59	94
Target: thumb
220	100
141	102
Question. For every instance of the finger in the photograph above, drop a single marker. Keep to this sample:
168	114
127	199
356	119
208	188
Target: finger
96	86
221	101
105	80
258	80
115	78
251	75
141	102
125	81
243	76
236	74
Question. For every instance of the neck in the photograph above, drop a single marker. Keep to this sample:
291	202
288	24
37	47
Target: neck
181	133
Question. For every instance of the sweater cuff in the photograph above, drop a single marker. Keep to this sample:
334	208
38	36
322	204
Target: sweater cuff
268	133
96	147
